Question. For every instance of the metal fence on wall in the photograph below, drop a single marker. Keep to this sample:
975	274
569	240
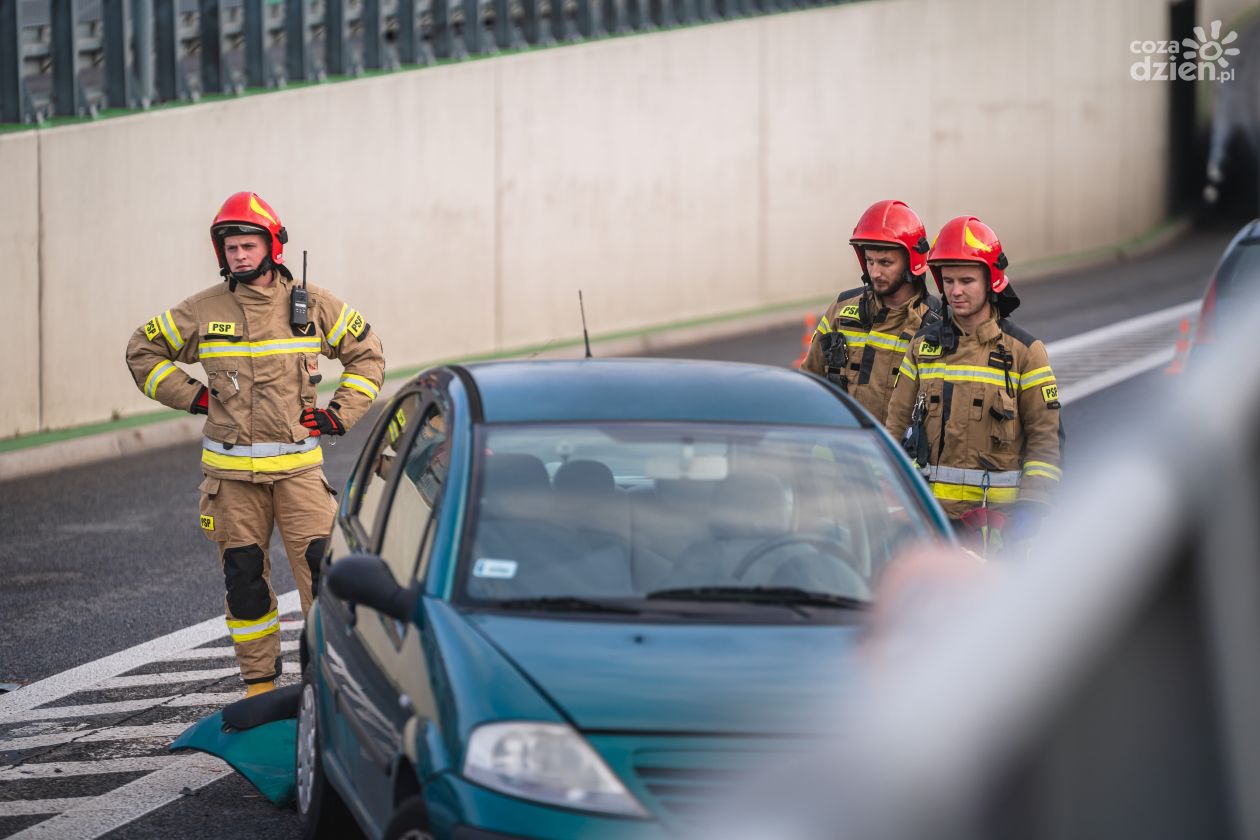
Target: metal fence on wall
61	58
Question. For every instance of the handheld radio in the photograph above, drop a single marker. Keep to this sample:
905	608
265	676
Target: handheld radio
299	302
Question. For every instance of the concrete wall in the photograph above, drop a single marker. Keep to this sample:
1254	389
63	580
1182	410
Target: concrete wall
669	176
19	283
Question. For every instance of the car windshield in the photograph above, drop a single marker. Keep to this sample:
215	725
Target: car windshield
578	516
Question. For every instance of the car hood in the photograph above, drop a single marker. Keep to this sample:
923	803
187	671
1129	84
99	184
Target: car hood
671	678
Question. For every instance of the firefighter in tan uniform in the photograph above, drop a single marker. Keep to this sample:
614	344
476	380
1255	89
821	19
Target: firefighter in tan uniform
863	335
258	337
976	404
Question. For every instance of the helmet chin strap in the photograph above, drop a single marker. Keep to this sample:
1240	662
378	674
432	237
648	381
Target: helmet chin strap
234	277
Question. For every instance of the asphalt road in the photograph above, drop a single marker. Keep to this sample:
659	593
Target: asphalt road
98	559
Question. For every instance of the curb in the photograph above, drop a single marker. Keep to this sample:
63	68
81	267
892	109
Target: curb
104	446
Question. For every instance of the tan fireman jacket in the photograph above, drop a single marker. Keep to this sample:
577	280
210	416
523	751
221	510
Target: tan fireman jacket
875	351
257	371
991	405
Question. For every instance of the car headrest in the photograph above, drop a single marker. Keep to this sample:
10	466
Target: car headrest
586	478
749	506
515	485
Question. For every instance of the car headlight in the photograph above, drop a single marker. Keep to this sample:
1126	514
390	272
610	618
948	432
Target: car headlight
546	762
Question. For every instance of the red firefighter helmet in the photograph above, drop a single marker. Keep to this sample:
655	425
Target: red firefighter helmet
966	239
892	223
246	213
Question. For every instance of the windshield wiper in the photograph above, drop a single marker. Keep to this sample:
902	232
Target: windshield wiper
565	603
785	595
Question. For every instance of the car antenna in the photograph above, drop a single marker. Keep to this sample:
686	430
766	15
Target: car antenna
586	339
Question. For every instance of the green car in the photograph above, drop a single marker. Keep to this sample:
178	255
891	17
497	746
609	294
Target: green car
583	599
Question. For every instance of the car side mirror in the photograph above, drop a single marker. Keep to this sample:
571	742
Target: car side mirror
365	579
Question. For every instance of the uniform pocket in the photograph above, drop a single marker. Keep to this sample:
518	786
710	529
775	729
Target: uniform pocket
224	383
210	518
308	367
222	432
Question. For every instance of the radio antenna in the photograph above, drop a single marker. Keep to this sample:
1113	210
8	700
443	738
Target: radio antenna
586	339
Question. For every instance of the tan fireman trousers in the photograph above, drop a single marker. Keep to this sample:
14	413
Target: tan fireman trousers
238	516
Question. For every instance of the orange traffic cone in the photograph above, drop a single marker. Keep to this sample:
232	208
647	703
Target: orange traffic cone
811	323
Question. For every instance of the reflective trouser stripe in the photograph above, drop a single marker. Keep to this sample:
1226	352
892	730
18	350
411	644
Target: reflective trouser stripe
967	493
259	450
246	631
275	463
973	478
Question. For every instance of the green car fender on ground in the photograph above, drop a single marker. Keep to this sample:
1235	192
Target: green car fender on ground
257	737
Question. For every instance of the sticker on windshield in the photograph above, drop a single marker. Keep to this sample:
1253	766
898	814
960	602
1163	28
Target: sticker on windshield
489	567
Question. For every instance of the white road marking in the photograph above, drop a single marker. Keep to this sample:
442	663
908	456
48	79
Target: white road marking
30	807
87	709
229	652
13	704
61	769
99	815
165	731
1116	352
222	698
134	680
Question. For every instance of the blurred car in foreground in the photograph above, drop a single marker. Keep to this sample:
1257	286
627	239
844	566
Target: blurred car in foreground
1237	274
574	599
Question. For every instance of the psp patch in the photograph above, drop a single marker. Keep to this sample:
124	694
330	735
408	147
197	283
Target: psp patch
221	328
1050	393
207	523
152	330
927	348
357	325
851	312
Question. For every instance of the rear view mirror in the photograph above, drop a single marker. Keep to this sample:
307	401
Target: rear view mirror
365	579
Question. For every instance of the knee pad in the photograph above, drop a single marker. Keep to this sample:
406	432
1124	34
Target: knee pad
247	593
315	556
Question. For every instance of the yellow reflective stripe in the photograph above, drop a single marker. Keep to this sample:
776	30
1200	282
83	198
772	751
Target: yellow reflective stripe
1042	468
1042	474
359	383
965	373
254	349
967	493
854	338
167	325
887	342
339	329
908	368
163	370
273	463
1033	378
248	630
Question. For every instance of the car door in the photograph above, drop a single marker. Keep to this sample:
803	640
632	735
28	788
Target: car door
374	661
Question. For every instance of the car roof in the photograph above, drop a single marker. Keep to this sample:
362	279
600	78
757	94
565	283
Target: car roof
656	390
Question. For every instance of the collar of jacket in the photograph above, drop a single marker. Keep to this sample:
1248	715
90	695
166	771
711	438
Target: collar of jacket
986	333
263	294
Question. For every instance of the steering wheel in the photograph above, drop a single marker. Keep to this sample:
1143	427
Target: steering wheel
823	545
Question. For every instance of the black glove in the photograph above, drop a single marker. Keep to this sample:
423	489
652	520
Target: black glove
322	421
201	403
